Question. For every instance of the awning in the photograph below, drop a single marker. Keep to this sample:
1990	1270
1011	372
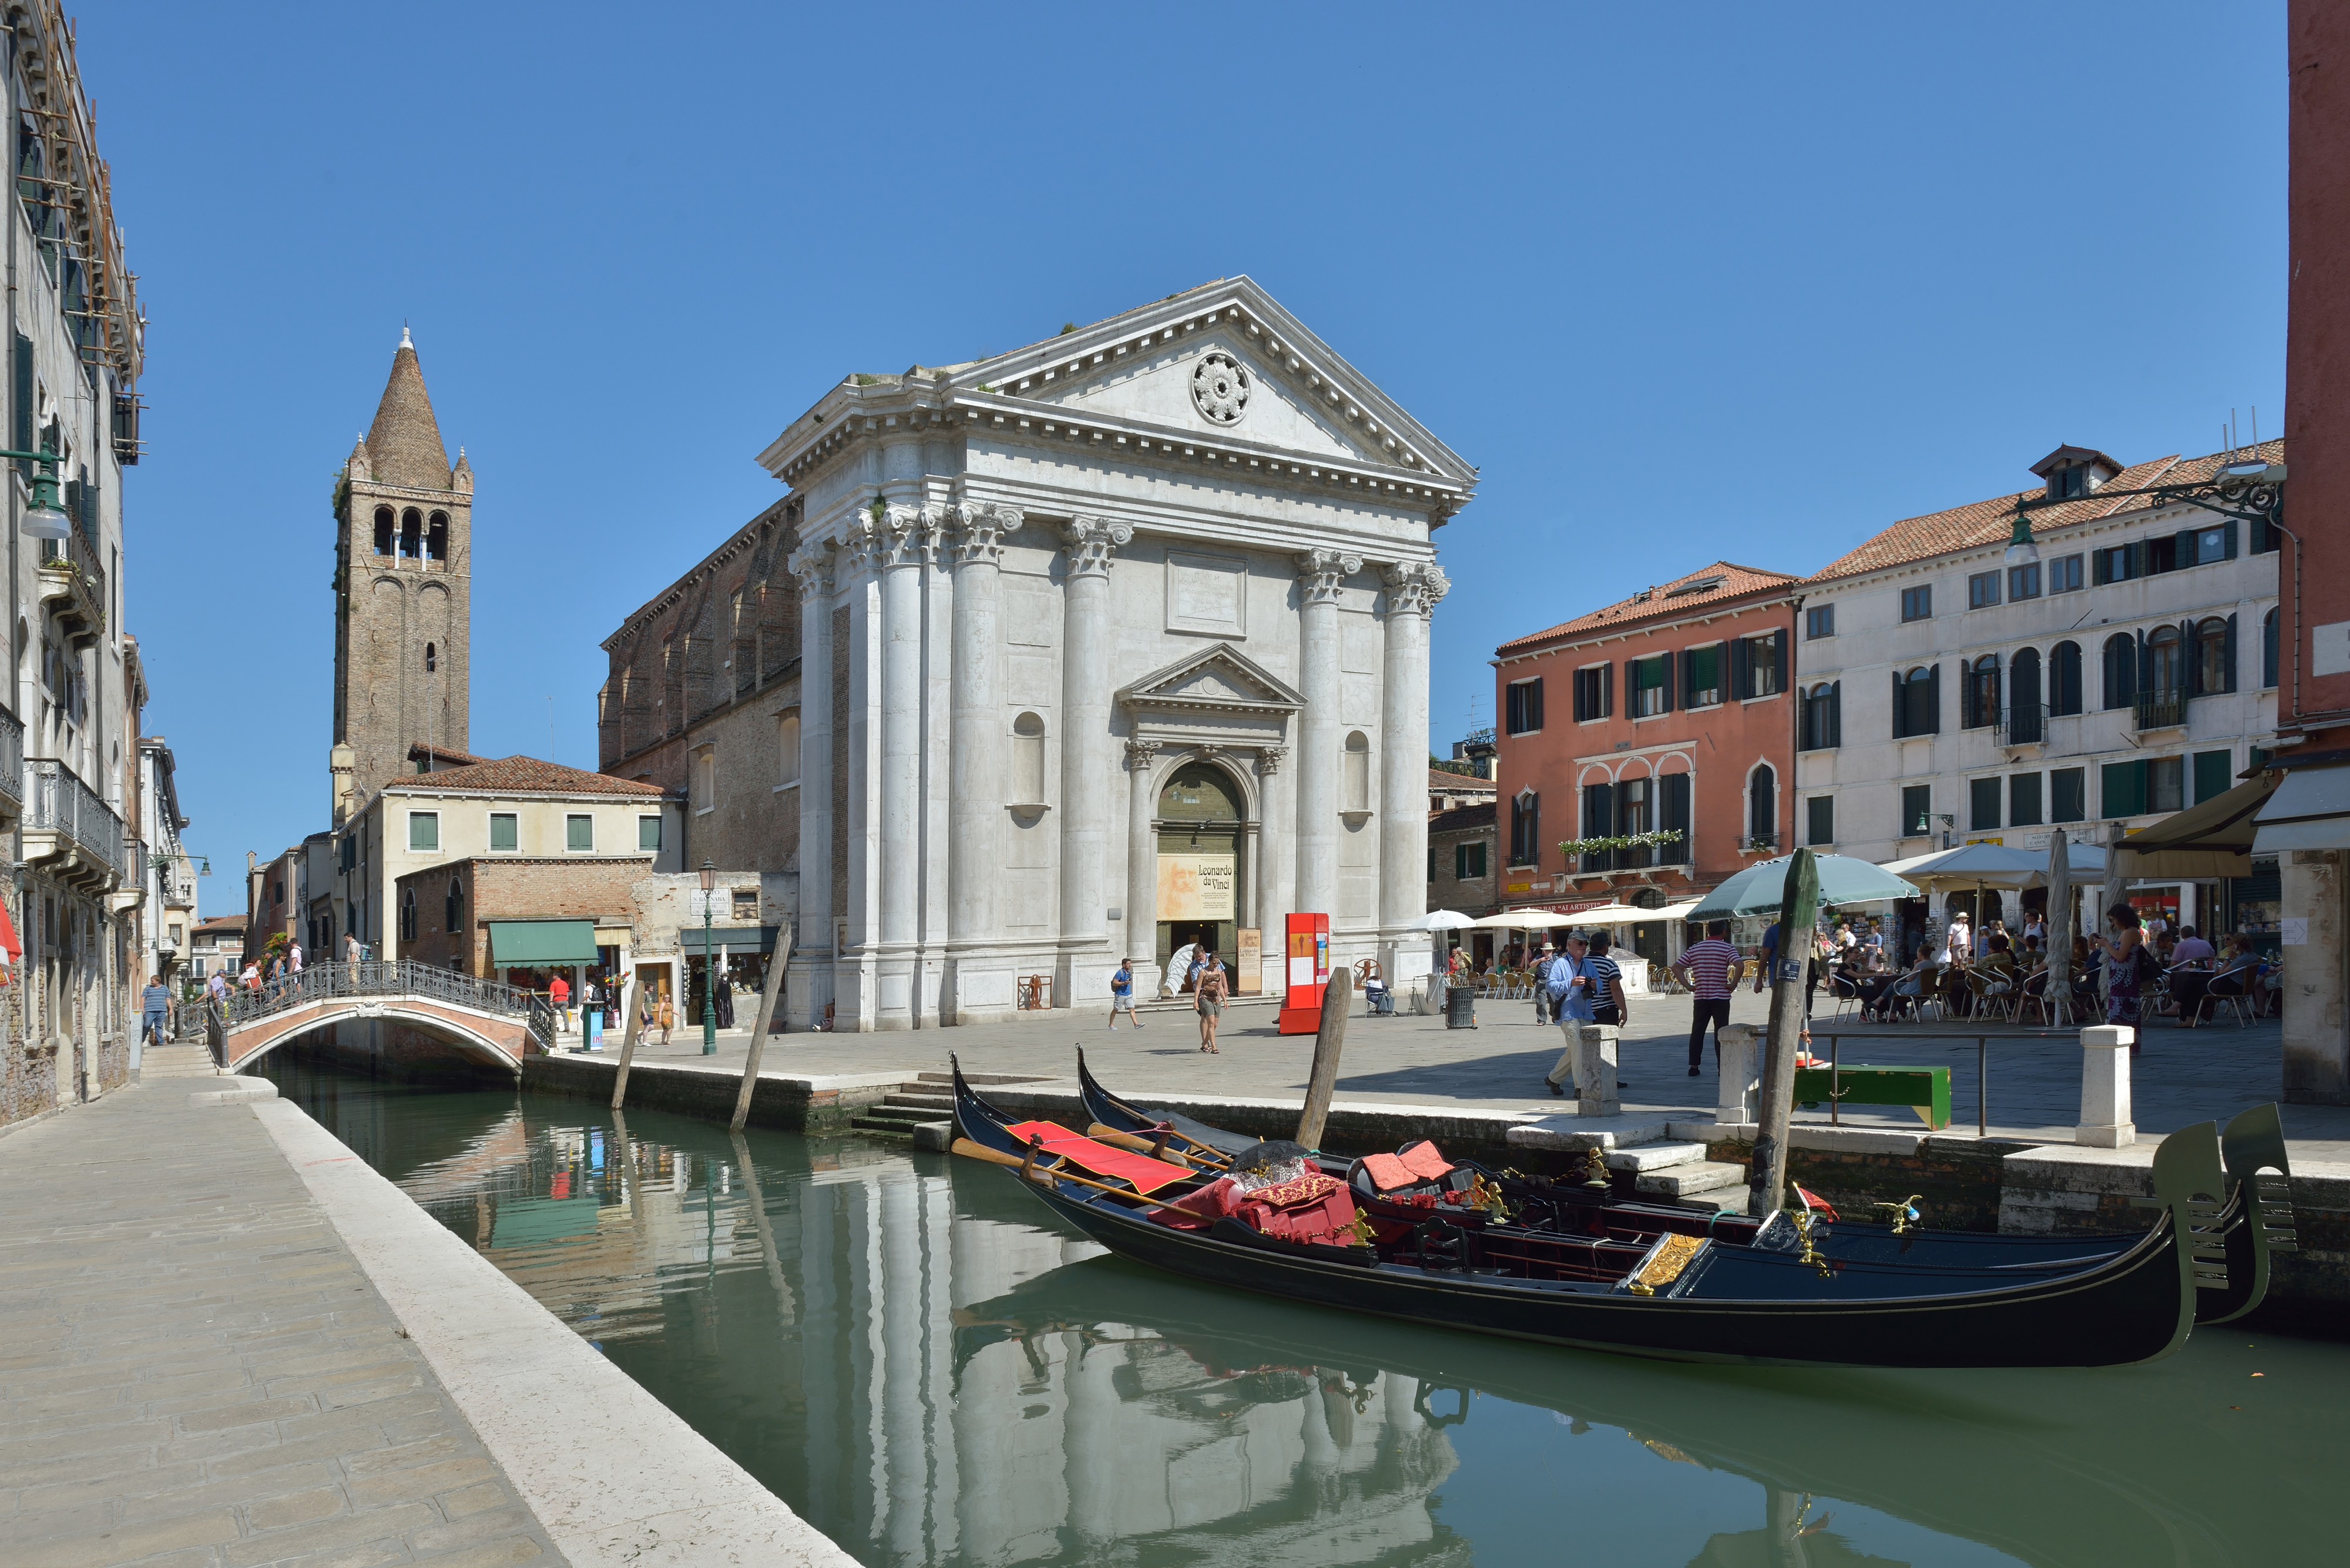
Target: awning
735	939
2310	810
542	944
2213	839
9	943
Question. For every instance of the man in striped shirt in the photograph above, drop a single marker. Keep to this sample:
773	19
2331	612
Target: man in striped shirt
1705	967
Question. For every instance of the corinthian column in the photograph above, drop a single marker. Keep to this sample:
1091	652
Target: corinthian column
1413	589
1081	972
810	975
900	548
1141	853
1319	575
978	777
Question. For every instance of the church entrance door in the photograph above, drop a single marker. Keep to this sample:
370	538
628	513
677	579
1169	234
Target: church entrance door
1199	891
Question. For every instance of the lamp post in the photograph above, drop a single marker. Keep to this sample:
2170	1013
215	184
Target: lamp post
47	519
709	976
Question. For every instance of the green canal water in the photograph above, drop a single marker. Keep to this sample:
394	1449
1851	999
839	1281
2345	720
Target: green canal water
916	1357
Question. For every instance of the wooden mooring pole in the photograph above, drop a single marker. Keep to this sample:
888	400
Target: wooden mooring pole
630	1028
1338	997
769	994
1798	905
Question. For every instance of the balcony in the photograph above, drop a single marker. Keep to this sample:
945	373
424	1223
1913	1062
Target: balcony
11	764
68	831
2025	725
75	585
2160	709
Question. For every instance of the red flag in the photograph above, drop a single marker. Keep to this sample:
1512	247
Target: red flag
1814	1201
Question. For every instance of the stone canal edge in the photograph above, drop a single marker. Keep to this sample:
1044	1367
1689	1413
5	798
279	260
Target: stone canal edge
632	1483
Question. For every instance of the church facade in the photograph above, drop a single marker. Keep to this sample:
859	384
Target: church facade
1110	643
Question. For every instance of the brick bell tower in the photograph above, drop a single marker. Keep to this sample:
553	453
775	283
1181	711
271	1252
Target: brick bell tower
403	592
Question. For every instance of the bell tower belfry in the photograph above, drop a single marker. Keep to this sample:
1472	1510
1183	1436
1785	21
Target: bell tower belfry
403	592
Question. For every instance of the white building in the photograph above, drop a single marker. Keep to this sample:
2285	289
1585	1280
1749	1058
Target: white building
1950	697
1126	637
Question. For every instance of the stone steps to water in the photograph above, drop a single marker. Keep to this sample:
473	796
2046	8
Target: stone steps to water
1646	1157
1691	1177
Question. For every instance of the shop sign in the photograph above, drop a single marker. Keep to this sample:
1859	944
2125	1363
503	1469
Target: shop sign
1197	886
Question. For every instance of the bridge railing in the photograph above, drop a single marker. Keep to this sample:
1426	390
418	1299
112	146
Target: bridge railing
375	977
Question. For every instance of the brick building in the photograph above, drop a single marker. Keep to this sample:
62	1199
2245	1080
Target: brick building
495	918
1464	865
703	698
1669	711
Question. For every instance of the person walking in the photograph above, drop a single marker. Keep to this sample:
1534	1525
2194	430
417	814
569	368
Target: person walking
1571	1003
1609	1003
1542	982
155	1009
725	996
1705	969
558	996
292	960
2124	947
1209	990
1121	994
665	1016
217	986
351	951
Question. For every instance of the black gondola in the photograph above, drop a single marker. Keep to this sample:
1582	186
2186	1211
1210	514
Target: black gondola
2255	1221
1774	1299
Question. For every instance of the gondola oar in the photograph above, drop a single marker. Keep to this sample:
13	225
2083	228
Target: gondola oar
1044	1176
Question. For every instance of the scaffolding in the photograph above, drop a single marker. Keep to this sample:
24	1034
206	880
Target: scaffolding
68	190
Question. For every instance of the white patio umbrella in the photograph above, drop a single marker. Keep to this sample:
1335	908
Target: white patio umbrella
1524	921
1446	921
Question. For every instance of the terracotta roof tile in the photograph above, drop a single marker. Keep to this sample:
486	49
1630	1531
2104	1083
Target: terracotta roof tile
524	775
1460	783
1463	817
1982	522
1721	583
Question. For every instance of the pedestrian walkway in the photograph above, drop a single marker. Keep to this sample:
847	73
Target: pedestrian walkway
194	1370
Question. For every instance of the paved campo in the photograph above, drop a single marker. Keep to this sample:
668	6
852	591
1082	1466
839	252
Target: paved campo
2180	1076
194	1370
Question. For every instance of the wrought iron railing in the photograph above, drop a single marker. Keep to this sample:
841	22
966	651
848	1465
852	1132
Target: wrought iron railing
2161	710
56	802
74	557
2024	724
331	982
12	755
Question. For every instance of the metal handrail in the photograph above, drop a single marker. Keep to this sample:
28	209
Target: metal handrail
2023	724
58	801
376	977
2165	708
12	754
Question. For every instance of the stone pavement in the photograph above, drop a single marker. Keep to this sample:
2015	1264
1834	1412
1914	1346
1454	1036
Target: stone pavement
194	1370
2181	1076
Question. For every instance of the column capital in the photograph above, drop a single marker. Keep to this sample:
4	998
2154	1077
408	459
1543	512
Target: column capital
1414	586
1319	573
1088	542
1269	760
1139	754
978	542
812	564
883	538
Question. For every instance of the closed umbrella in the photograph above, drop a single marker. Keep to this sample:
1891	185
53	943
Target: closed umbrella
1757	889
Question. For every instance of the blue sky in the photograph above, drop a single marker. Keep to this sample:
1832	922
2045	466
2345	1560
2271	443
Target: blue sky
1686	283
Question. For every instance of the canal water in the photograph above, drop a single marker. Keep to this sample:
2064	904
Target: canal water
913	1354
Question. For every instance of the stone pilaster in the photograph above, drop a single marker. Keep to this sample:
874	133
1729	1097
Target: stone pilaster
1272	882
978	766
1413	588
1083	974
1320	574
809	978
1141	852
901	545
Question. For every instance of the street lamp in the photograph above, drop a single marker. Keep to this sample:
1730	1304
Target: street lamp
709	975
2021	550
47	519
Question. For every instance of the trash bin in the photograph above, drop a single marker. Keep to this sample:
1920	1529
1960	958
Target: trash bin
1461	1007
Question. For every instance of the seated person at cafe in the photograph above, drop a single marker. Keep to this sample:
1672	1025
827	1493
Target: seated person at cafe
2241	973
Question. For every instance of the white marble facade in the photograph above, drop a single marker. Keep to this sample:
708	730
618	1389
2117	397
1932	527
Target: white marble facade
1040	583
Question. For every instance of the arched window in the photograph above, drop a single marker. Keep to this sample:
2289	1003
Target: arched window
1359	771
2121	670
1823	716
1979	697
2023	710
2165	664
1762	805
452	908
1525	829
408	914
411	534
436	537
1028	760
431	658
2065	679
787	748
2269	648
1917	702
384	525
2215	657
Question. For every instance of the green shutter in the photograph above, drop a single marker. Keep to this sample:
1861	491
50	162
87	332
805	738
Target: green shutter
2122	789
503	825
2214	774
423	830
649	835
580	834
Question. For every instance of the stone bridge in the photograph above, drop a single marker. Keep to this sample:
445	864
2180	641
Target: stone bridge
481	1018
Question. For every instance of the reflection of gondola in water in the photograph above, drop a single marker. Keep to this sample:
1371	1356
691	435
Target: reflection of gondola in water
2256	1220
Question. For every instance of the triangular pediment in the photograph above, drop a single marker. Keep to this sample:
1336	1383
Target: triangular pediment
1219	679
1145	368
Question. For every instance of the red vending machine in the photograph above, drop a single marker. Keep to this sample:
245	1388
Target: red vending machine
1308	960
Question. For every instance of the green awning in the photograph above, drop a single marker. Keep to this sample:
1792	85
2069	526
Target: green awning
539	944
736	940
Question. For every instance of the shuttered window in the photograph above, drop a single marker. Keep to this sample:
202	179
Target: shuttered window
1523	702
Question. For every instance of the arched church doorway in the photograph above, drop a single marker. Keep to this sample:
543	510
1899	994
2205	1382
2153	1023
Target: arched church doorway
1199	893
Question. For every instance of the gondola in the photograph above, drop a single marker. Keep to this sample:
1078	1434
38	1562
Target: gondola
2255	1221
1773	1299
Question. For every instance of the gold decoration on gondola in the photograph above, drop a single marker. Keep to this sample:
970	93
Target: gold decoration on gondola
1487	1195
1594	1170
1665	1264
1811	1253
1358	1228
1903	1217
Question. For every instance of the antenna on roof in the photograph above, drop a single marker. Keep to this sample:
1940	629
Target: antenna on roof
2256	424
